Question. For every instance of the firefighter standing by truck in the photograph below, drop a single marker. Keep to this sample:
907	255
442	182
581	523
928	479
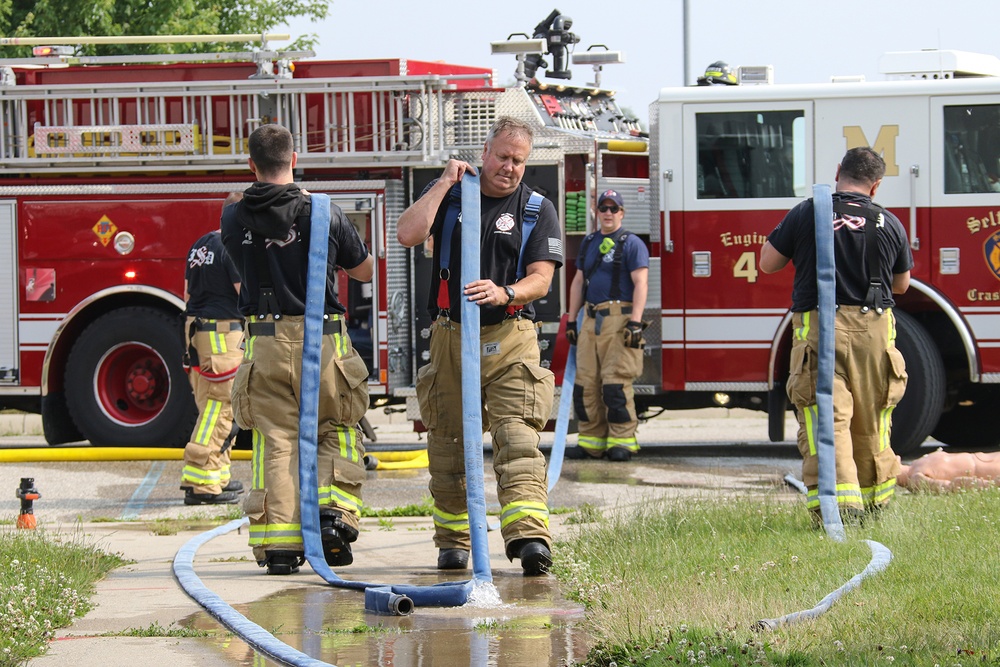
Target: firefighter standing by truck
610	285
517	390
873	262
214	328
267	235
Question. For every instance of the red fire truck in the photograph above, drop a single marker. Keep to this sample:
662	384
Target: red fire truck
109	171
729	161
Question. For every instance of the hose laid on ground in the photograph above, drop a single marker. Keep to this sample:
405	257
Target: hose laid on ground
880	560
257	637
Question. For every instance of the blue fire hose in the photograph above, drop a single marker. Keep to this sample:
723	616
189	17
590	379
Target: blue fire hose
472	408
382	598
826	284
562	418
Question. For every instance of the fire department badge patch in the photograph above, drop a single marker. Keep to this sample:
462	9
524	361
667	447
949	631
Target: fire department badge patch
505	222
991	252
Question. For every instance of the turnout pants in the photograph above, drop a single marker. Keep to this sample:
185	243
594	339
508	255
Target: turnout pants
868	382
266	400
605	368
517	397
206	456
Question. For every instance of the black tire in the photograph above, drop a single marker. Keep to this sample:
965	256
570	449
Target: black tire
917	414
970	424
777	410
125	386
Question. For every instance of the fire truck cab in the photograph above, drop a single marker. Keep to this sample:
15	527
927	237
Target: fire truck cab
726	164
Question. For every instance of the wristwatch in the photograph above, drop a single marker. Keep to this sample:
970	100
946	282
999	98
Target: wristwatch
510	294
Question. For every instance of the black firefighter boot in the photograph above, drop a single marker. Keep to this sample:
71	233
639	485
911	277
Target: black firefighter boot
337	537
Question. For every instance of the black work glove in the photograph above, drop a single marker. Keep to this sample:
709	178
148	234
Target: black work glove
633	334
571	332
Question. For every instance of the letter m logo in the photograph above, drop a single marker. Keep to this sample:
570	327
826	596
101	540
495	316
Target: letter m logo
885	144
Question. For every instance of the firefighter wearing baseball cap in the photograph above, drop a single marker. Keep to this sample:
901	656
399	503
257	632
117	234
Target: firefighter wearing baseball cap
610	286
214	328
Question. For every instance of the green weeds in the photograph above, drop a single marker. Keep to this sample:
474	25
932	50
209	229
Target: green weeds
684	581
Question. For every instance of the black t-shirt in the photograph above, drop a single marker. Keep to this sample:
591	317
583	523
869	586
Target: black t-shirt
210	276
287	258
501	244
795	237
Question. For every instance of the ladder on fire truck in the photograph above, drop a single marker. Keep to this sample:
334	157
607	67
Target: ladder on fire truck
105	126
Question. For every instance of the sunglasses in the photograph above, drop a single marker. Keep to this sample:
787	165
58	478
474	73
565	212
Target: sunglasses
605	209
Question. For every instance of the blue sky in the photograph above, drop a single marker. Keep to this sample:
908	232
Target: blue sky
805	40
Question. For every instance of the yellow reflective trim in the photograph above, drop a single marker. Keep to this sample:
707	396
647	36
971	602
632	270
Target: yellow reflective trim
208	420
591	443
810	417
348	438
885	428
626	443
447	521
218	342
523	509
343	499
200	475
802	332
257	462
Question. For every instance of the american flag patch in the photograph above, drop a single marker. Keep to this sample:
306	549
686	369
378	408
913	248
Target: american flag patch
555	246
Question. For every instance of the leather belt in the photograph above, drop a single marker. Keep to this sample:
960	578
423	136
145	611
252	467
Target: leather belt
267	328
221	327
604	312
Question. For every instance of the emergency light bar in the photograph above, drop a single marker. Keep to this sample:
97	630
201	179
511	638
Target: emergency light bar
598	58
518	46
750	74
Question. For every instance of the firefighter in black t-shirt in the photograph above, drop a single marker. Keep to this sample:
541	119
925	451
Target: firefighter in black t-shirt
267	235
869	373
214	328
517	391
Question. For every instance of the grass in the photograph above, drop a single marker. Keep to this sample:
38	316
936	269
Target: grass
683	582
46	581
425	508
157	630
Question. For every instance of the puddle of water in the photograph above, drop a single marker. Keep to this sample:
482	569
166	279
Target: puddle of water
529	624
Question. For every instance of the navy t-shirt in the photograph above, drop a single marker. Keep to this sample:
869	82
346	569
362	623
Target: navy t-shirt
795	237
500	232
210	276
288	258
600	265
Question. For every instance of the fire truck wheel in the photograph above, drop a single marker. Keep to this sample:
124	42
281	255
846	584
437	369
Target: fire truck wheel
917	414
125	386
971	422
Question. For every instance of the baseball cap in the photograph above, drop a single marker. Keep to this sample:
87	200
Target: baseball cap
613	196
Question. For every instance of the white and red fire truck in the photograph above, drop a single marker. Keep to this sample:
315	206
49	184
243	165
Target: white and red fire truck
109	171
727	162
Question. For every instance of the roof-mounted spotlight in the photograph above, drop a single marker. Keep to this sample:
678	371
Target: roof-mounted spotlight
598	59
521	48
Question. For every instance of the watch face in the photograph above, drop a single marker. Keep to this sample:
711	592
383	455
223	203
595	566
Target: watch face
510	293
